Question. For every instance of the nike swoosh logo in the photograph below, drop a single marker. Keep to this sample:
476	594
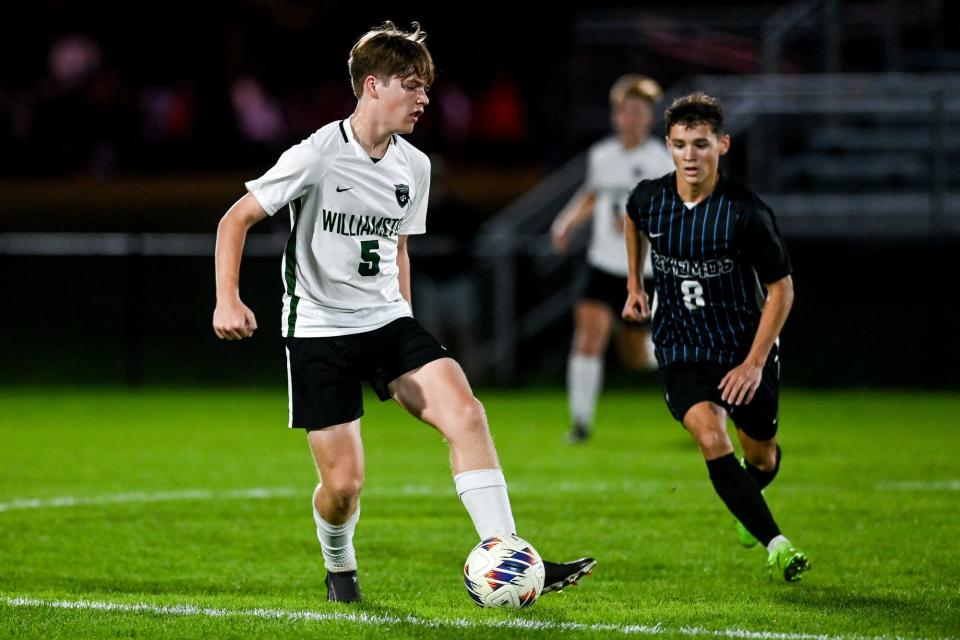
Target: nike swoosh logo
656	235
339	189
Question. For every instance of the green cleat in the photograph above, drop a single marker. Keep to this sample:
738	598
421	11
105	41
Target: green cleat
787	561
746	538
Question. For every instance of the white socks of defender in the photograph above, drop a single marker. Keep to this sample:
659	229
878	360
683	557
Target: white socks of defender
773	543
484	494
584	378
336	542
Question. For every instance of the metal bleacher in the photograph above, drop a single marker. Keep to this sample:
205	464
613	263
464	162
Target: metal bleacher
836	155
859	157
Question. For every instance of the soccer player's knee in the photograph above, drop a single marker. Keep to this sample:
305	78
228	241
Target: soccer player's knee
468	418
765	458
344	489
712	441
473	415
590	343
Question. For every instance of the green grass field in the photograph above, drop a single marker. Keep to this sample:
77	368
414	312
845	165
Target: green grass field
177	513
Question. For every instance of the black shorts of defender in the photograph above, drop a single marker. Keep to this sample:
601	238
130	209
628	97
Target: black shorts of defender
325	374
688	383
611	290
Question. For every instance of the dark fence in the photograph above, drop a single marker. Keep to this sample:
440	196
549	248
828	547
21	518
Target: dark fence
866	314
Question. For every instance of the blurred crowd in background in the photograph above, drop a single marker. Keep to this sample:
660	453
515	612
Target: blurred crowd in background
105	89
108	91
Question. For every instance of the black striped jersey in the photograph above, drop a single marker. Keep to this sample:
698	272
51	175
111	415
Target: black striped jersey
709	261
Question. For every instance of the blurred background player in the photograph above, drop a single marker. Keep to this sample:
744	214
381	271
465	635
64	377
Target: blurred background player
716	330
448	296
614	165
356	190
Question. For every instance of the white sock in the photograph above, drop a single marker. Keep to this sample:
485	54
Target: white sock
777	540
584	379
336	542
484	494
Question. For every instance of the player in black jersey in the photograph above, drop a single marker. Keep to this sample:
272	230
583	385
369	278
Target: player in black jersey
713	244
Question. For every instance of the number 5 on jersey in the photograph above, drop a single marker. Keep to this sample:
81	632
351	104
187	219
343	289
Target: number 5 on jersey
369	258
692	295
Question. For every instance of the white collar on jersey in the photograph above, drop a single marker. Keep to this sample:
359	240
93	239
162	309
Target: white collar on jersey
349	135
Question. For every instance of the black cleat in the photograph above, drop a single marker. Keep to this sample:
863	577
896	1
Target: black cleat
343	587
558	575
579	432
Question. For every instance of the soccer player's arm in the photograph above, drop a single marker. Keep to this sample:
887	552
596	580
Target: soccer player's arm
403	268
577	211
637	306
233	320
764	247
298	169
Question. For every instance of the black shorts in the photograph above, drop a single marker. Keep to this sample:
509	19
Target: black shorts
610	290
324	374
688	383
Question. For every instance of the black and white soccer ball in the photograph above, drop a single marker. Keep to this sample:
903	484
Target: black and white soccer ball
504	571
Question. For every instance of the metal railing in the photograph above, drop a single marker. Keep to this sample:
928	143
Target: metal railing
529	288
758	108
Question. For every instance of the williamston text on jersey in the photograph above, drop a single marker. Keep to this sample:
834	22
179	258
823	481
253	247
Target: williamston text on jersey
352	224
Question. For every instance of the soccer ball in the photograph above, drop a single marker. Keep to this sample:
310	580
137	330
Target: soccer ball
504	571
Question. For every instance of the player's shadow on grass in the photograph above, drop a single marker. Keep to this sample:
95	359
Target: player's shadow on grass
861	604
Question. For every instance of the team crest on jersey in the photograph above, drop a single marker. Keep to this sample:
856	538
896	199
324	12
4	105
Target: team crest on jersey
403	194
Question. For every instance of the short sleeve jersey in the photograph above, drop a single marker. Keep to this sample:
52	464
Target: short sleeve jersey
347	212
612	172
709	261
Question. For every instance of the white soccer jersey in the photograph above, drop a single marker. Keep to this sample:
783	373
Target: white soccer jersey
340	271
612	173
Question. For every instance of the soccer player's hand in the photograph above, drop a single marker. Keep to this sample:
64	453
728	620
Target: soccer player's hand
740	383
637	307
560	237
233	321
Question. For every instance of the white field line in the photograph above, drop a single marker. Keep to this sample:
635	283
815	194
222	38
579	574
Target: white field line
143	496
934	485
384	620
285	492
260	493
